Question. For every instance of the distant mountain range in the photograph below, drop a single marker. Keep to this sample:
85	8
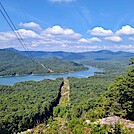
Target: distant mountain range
93	55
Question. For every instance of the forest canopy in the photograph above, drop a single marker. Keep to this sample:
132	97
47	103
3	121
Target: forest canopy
27	104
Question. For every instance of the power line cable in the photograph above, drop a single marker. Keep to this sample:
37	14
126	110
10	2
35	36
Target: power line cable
13	26
17	34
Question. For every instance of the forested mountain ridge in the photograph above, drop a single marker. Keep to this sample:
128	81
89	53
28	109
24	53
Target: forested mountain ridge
14	63
92	55
111	62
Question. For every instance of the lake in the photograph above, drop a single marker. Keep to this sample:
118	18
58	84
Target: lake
10	80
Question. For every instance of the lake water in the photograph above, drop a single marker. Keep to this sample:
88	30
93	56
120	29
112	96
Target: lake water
79	74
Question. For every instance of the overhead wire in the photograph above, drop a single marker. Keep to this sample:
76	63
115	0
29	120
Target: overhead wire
15	31
13	28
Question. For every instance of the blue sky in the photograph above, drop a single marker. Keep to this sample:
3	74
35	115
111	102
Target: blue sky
70	25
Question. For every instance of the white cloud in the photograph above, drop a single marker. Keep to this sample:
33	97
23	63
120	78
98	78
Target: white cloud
131	38
7	36
82	40
114	38
31	25
88	41
55	30
61	1
127	48
125	30
28	33
60	32
99	31
25	34
94	39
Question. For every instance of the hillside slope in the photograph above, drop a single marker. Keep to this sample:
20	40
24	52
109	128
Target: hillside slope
14	63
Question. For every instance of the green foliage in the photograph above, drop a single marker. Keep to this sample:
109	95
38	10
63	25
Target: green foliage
113	66
96	99
85	96
59	111
76	125
132	61
122	94
99	129
92	99
13	63
27	104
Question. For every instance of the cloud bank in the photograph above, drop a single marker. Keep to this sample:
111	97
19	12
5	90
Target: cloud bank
57	38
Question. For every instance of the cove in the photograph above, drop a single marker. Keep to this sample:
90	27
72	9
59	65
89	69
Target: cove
10	80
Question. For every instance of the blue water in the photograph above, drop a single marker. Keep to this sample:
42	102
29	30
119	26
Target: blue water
79	74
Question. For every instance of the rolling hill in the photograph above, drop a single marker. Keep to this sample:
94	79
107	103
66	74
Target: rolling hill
14	63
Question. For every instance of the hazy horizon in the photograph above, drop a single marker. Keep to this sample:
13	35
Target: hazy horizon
11	48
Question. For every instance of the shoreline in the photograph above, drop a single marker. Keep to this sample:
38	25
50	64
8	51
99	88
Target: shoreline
16	75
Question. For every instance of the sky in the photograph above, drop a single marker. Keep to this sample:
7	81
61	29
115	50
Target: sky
69	25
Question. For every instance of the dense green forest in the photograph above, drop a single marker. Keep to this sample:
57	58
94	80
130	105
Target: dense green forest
121	94
116	67
95	98
26	104
13	63
110	93
99	98
84	94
